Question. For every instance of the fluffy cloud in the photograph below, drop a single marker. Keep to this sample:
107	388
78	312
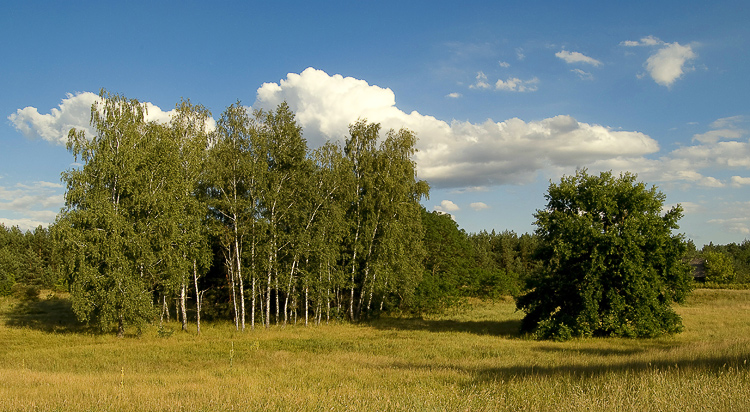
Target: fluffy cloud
479	206
667	64
457	154
576	57
739	181
73	112
447	206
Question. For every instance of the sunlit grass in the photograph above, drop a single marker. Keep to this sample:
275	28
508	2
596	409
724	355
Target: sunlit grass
470	359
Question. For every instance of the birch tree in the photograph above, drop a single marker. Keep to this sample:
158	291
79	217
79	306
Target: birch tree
105	215
281	201
231	189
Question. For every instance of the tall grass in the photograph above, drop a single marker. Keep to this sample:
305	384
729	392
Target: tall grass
472	359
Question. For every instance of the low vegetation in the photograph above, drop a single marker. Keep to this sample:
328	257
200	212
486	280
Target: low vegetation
472	358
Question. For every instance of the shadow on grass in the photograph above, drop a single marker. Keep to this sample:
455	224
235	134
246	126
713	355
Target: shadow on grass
711	365
707	364
505	329
607	352
52	315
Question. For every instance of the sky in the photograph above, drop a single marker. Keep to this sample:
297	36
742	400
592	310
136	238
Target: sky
505	97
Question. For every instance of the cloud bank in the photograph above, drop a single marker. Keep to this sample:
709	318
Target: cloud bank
463	155
456	154
33	205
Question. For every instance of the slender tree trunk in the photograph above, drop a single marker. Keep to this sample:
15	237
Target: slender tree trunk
252	310
289	288
368	260
253	276
197	298
372	291
234	293
238	258
183	304
278	308
382	301
268	288
164	309
307	289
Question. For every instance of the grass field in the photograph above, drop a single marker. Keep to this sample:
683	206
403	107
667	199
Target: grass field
472	359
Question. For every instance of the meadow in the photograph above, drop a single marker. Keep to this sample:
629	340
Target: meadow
468	359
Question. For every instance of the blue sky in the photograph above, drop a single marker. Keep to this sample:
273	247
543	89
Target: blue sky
504	97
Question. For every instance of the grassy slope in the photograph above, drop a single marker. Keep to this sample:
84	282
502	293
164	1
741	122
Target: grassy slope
468	360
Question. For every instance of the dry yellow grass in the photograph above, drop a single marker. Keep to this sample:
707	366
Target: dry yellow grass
468	360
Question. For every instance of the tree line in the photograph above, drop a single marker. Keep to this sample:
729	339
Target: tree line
245	222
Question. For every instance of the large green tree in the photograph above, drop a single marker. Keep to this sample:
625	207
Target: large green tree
612	266
385	251
113	215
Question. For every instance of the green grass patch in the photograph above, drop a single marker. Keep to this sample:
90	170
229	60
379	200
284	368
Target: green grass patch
468	359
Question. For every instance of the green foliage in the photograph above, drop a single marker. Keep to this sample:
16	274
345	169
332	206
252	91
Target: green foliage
739	257
612	266
719	267
459	265
115	219
384	246
28	258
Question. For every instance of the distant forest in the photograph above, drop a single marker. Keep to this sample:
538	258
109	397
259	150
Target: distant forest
246	223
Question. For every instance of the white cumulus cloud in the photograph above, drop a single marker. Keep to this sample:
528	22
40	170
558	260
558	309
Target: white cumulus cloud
739	181
73	112
447	206
457	154
667	64
479	206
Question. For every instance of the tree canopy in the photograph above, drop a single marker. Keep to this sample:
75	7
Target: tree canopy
149	202
611	264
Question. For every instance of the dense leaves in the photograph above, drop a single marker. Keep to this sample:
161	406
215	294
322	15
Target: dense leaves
28	260
727	264
150	202
612	266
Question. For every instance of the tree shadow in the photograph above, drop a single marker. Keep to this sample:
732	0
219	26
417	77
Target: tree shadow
51	315
717	364
505	329
709	364
604	352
